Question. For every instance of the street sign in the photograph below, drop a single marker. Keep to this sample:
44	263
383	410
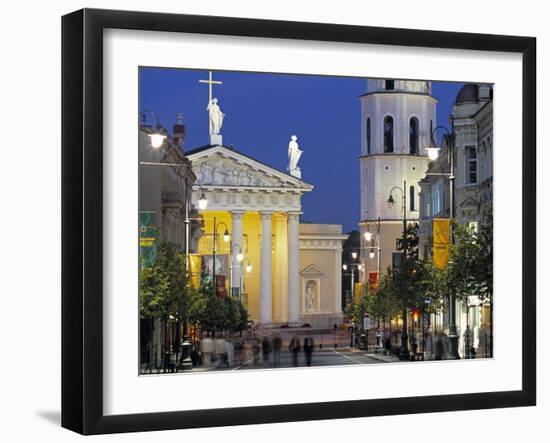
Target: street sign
366	322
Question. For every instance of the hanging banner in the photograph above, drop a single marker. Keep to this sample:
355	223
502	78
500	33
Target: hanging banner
147	238
221	291
195	270
358	291
442	242
373	280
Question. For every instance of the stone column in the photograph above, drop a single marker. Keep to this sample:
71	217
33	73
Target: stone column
338	279
266	307
293	268
237	240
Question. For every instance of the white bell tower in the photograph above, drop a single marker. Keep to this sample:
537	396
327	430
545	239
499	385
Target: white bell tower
397	119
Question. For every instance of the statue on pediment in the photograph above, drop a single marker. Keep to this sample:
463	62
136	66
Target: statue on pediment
294	154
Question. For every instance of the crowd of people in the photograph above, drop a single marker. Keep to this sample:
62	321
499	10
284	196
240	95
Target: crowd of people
252	350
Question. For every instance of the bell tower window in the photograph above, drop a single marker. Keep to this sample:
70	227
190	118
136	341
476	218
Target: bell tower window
413	136
390	85
388	134
368	136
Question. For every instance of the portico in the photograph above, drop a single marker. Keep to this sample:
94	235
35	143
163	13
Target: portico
260	207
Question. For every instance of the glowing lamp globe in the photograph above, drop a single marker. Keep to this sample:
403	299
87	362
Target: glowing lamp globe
157	140
203	202
433	153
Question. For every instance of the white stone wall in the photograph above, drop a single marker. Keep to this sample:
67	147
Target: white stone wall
379	174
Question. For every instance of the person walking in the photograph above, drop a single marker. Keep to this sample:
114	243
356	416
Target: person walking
294	347
266	350
308	349
276	344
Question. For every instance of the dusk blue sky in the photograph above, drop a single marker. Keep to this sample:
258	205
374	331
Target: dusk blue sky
264	110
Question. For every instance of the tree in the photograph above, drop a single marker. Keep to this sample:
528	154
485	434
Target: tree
410	281
163	291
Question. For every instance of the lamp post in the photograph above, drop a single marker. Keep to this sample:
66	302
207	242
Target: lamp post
240	257
433	154
368	237
404	352
226	238
248	269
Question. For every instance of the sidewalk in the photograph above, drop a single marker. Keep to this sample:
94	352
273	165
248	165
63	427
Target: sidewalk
382	357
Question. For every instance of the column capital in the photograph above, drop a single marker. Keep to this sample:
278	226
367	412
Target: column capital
294	215
266	215
237	215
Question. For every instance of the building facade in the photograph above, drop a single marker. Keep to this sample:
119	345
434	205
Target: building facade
166	178
471	146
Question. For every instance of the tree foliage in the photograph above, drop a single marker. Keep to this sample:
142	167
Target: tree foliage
164	292
470	268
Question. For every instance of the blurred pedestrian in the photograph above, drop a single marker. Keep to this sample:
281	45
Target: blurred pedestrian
308	349
230	353
276	346
207	348
294	346
439	347
219	345
266	350
256	351
387	346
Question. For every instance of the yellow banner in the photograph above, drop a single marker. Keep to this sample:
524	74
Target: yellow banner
358	291
442	242
195	270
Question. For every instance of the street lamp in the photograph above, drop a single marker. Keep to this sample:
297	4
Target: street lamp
203	202
225	239
368	235
248	269
369	238
157	138
239	257
433	153
404	352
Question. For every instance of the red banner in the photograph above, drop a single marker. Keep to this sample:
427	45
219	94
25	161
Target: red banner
373	279
221	292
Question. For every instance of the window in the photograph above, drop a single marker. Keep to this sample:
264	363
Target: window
388	134
471	165
426	200
413	136
368	135
390	85
411	199
432	132
437	198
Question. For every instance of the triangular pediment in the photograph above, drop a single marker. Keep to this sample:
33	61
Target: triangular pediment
311	271
469	203
219	166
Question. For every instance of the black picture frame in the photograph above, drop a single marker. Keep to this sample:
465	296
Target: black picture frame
82	230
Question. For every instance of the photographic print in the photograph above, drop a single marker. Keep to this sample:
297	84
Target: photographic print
292	220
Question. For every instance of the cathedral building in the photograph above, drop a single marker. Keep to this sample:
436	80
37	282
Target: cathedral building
397	119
